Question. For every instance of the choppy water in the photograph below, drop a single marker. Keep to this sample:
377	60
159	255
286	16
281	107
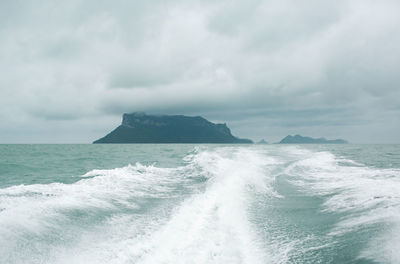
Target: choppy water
199	204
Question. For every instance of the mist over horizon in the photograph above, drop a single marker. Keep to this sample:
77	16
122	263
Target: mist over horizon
266	68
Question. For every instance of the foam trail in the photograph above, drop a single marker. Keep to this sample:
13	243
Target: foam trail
212	226
253	204
49	219
366	197
140	214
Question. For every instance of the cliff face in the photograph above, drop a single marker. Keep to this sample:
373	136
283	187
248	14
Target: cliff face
297	139
142	128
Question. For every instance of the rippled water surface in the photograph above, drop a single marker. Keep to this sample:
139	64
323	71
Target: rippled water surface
199	204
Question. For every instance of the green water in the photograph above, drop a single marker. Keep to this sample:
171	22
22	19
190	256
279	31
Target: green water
166	203
30	164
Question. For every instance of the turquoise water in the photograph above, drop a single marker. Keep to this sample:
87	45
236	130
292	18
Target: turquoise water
199	203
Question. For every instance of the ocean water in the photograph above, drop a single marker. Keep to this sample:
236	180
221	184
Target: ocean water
199	204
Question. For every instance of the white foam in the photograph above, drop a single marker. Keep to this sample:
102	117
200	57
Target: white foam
44	211
366	196
211	225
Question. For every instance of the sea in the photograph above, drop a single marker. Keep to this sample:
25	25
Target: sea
183	203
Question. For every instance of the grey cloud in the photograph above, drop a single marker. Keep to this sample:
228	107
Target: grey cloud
268	68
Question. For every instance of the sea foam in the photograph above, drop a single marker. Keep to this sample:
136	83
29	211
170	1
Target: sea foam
196	213
223	205
364	196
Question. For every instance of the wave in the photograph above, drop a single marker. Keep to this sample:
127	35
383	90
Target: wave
141	214
366	200
224	205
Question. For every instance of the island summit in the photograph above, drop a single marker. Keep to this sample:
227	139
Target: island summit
142	128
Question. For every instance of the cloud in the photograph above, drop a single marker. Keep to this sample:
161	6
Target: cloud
289	65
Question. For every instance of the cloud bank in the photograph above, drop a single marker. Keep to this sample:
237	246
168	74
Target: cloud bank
267	68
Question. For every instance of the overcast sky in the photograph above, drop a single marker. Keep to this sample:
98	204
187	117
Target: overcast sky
69	69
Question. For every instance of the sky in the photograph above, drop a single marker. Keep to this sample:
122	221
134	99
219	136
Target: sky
70	69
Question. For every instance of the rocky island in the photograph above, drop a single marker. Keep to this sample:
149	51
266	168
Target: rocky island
298	139
142	128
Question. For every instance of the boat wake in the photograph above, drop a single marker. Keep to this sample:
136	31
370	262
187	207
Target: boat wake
225	205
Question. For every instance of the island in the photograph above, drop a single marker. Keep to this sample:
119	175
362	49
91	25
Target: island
140	127
262	141
298	139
